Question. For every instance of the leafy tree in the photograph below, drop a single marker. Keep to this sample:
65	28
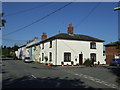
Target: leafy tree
15	48
9	51
2	21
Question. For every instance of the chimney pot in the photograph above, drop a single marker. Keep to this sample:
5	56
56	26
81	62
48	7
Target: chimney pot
70	25
44	36
70	29
35	38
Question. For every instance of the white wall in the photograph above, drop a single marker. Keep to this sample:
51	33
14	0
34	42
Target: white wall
77	47
27	52
47	50
37	53
23	52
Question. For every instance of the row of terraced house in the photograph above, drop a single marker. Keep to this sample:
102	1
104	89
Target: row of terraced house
63	48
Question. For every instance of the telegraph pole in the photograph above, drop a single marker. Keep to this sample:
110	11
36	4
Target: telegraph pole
118	44
118	9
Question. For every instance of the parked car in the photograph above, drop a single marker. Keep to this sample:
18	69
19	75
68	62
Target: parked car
27	59
115	62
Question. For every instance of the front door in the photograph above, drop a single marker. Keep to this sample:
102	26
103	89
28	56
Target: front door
80	59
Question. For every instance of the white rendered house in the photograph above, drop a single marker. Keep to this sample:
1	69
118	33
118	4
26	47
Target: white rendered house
21	52
69	48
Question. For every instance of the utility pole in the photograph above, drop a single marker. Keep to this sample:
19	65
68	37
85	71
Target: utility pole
118	9
118	43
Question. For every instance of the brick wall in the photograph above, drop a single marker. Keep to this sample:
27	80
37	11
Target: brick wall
111	51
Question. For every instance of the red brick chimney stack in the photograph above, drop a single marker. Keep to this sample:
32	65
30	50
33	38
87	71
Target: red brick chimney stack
70	29
44	36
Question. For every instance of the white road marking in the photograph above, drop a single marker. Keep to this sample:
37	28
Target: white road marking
76	74
96	80
85	76
34	76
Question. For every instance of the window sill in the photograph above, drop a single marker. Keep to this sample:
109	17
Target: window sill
92	48
67	61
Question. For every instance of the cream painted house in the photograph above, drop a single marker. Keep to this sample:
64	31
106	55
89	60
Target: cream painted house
66	48
69	48
37	53
21	53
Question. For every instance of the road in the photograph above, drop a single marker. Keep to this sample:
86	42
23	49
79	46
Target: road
17	74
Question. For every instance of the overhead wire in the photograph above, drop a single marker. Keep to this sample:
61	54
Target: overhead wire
91	11
23	11
39	19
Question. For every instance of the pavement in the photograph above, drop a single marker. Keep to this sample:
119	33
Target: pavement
17	74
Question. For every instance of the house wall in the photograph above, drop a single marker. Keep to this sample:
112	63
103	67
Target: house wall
30	53
33	53
27	52
30	49
23	52
47	50
77	47
18	53
37	53
111	52
74	47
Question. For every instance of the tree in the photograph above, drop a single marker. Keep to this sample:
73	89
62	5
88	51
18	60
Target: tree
9	51
2	21
15	47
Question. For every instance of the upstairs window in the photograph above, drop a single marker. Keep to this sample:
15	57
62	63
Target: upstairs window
50	56
43	46
93	45
50	44
42	56
67	57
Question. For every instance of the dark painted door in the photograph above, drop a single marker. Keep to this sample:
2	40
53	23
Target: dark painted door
80	59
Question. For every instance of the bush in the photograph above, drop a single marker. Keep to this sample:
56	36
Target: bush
62	63
87	62
9	56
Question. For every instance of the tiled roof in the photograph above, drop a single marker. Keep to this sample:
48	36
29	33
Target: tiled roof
113	43
73	37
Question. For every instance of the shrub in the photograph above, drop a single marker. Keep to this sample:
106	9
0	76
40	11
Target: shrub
62	63
9	55
87	62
